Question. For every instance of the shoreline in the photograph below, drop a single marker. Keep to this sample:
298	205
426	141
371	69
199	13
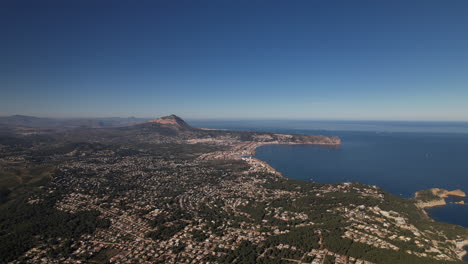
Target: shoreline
461	246
247	150
258	162
437	197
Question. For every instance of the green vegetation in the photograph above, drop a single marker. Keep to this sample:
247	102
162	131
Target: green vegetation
426	196
245	253
152	186
16	181
23	225
104	255
199	236
303	238
166	231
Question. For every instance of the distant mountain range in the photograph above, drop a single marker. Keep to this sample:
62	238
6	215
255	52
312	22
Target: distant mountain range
40	122
167	129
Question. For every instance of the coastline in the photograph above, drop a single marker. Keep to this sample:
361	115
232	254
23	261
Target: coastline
255	162
436	197
247	150
462	248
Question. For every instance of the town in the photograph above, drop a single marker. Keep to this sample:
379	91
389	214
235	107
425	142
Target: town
206	199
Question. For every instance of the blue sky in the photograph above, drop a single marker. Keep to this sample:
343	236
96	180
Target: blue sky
378	60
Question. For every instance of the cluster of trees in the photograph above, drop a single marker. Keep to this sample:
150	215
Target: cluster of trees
4	192
426	195
199	236
167	231
347	247
24	225
245	253
303	238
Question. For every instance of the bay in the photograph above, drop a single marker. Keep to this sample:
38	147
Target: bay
400	163
401	157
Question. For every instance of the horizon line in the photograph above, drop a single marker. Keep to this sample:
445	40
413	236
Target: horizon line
248	119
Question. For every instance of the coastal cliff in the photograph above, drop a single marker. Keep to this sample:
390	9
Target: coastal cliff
435	197
432	203
455	193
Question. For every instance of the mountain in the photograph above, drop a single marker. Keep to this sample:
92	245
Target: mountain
166	129
23	120
165	181
173	128
172	121
40	122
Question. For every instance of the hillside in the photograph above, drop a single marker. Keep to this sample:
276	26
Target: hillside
165	192
16	121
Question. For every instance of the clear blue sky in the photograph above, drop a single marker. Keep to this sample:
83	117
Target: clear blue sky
397	60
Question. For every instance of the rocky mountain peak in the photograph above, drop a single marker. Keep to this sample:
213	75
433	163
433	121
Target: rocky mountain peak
172	121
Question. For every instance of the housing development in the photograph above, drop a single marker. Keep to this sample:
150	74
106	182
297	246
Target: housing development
164	192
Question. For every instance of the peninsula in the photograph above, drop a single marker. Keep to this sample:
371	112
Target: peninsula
436	197
162	191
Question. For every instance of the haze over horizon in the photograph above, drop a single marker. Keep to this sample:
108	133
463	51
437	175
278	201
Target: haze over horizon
340	60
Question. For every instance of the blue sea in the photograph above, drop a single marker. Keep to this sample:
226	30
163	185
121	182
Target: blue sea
400	157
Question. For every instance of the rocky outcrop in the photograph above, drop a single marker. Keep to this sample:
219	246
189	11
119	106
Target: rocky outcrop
172	121
456	193
435	197
433	203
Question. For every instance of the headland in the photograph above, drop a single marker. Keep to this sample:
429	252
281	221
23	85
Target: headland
436	197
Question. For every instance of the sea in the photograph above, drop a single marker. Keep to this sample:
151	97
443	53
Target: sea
400	157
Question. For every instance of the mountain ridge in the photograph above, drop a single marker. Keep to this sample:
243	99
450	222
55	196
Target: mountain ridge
172	121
